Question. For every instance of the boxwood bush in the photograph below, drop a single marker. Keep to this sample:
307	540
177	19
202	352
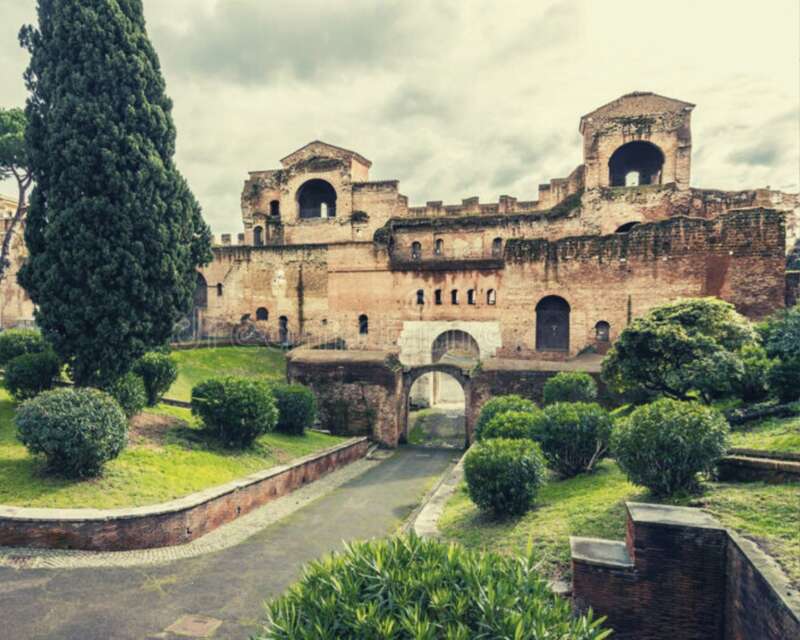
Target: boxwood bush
29	374
665	444
569	386
16	342
500	404
158	371
130	393
297	408
503	475
406	588
511	424
77	430
784	379
235	410
574	436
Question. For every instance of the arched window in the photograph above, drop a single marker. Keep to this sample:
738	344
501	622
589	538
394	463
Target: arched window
637	161
275	208
602	331
552	324
437	296
258	236
491	297
470	296
416	250
200	291
317	199
420	296
363	325
626	227
283	329
497	247
219	289
438	247
454	296
262	313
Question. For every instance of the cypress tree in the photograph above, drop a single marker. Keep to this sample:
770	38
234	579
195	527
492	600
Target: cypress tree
113	232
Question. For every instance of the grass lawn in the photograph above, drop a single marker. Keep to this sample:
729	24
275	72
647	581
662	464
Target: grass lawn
197	365
774	434
593	506
168	456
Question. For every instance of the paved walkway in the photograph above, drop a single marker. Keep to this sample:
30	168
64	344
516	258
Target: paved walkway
229	585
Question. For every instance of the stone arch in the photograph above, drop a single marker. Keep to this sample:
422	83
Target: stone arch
316	199
552	324
637	157
262	313
457	344
625	228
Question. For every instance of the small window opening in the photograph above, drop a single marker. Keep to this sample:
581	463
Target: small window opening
420	296
275	208
437	296
363	324
219	289
491	297
497	247
471	296
602	331
262	313
416	250
632	179
258	236
438	247
454	296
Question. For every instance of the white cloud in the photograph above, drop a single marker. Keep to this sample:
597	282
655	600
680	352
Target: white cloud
460	98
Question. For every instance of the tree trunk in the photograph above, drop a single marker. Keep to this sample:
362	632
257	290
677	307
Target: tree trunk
5	263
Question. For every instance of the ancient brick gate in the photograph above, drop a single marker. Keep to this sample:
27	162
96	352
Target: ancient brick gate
412	374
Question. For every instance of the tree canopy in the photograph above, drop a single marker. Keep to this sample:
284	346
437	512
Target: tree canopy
13	163
114	234
679	348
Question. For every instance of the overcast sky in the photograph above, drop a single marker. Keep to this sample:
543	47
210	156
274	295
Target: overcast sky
457	98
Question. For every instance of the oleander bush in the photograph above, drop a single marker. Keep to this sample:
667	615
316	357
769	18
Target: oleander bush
503	475
569	386
407	588
17	342
235	410
158	371
512	425
573	436
784	379
27	375
129	391
297	408
77	430
500	404
665	444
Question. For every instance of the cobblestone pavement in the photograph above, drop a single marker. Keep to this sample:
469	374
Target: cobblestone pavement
193	595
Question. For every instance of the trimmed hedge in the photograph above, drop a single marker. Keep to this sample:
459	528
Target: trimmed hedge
569	386
503	475
17	342
511	424
130	393
158	371
297	408
29	374
574	436
77	430
665	444
404	588
500	404
235	410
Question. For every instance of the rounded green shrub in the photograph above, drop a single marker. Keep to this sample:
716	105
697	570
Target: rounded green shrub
77	430
235	410
784	379
130	393
29	374
404	587
503	475
665	444
17	342
158	371
500	404
510	424
573	436
569	386
752	384
297	408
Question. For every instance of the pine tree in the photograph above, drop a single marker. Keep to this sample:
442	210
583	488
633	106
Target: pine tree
113	231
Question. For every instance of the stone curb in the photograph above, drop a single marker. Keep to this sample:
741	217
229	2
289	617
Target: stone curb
174	522
425	520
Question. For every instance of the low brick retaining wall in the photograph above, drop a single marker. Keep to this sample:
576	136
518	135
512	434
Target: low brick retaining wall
170	523
747	465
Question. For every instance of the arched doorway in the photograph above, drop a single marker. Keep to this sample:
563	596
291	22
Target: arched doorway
455	347
317	199
431	419
552	324
635	163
